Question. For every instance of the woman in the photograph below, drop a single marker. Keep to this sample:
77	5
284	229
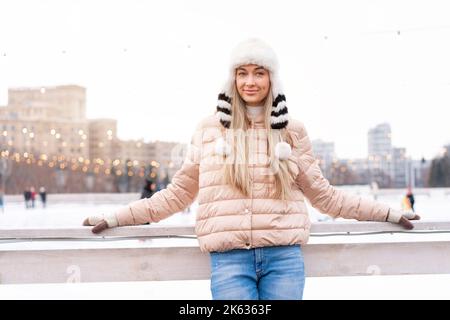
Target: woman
251	167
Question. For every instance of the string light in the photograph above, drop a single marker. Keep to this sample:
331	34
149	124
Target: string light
97	165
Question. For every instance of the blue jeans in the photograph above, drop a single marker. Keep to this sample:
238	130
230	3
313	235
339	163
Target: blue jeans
267	273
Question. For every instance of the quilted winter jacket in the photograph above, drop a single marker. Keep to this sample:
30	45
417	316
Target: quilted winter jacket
225	218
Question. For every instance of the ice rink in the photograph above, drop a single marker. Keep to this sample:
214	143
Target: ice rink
70	210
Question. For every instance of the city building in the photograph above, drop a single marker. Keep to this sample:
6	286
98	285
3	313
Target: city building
103	141
400	168
379	154
50	124
45	121
380	140
324	152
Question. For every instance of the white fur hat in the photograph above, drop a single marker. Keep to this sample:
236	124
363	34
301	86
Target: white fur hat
254	51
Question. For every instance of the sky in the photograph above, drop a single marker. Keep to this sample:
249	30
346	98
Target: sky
157	66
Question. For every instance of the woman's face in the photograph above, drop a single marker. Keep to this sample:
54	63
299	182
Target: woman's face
253	84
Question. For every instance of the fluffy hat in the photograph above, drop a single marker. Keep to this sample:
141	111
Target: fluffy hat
254	51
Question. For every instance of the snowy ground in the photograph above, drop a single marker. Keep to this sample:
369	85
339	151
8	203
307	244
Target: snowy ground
71	210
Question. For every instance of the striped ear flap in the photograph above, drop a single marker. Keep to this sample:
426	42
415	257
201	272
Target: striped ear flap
279	116
224	110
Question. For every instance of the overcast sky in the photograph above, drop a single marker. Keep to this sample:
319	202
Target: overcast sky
157	66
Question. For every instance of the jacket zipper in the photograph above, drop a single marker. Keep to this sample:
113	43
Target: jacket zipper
253	182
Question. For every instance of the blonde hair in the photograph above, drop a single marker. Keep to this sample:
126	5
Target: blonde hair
236	171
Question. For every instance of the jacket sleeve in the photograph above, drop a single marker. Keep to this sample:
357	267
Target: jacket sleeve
324	197
177	196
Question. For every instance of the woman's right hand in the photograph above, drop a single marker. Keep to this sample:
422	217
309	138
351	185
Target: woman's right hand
101	222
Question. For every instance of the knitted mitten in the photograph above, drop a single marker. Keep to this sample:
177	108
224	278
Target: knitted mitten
402	218
101	222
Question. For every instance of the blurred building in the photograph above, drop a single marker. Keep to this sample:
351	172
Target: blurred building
380	140
419	172
350	171
447	150
400	168
103	141
163	152
324	152
47	126
380	155
45	121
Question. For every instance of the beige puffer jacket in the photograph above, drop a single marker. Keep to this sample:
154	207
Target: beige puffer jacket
228	220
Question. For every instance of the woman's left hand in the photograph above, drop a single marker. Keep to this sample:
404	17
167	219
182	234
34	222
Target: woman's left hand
402	218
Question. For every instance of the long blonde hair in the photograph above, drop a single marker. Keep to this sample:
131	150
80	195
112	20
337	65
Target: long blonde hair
236	171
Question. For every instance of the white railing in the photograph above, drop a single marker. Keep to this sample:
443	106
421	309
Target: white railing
75	254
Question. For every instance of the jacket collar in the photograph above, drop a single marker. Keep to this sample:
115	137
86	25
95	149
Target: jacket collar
257	119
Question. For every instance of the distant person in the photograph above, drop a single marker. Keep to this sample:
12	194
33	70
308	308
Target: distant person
32	196
149	189
43	195
408	201
2	203
252	167
27	197
160	185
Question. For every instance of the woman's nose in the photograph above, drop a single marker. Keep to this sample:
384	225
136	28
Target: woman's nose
250	80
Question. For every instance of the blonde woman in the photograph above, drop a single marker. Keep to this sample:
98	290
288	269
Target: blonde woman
251	167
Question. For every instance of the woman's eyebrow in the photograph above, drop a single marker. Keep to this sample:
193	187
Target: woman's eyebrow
256	69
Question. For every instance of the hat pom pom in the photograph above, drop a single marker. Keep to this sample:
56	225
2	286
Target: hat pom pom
283	150
222	147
